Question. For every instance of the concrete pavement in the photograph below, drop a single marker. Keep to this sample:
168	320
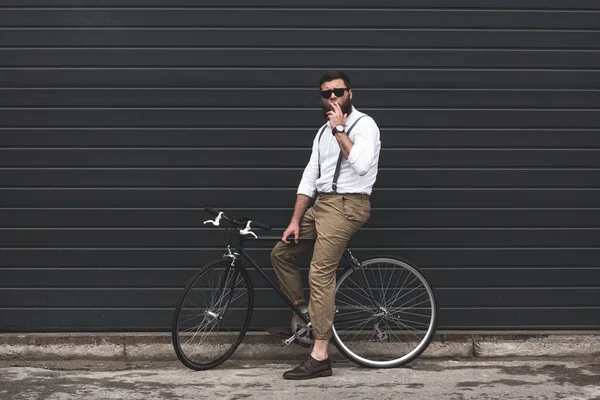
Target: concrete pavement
430	379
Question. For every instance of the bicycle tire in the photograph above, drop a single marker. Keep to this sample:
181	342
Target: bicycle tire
383	339
232	298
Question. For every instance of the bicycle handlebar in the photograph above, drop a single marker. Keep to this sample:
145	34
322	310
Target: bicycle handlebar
254	224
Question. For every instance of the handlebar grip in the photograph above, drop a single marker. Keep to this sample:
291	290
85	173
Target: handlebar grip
261	226
212	211
216	213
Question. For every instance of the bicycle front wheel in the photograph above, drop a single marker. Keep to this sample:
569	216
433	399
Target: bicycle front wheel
213	315
385	313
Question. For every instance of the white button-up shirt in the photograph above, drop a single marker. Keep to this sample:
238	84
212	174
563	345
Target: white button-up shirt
357	173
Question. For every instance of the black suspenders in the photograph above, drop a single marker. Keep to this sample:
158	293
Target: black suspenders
319	149
340	157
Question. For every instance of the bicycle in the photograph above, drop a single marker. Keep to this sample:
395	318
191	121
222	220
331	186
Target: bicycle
375	323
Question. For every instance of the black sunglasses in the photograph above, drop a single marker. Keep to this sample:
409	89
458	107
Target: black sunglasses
339	92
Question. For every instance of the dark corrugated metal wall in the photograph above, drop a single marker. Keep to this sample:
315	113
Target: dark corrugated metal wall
121	119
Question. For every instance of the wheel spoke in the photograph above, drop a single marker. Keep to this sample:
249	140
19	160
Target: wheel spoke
358	331
364	296
389	281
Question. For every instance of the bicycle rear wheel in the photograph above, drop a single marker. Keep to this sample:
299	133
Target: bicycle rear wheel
213	315
385	313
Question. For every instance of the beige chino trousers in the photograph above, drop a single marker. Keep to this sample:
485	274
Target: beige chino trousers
333	219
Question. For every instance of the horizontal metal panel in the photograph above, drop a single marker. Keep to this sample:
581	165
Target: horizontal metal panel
298	77
455	4
122	298
97	278
245	198
290	37
512	277
519	318
112	297
277	178
409	237
146	298
48	320
65	320
518	297
297	17
385	218
294	118
294	137
365	98
516	4
196	257
297	158
284	57
160	157
168	277
82	320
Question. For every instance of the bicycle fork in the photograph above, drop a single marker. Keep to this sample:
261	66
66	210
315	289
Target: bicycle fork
221	287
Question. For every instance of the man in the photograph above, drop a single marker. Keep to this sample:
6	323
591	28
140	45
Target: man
340	175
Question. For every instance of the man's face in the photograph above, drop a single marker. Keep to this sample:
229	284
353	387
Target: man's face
345	100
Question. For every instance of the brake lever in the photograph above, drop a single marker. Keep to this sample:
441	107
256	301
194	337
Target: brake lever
247	230
216	221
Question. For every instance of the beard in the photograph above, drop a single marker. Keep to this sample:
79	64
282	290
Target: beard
346	107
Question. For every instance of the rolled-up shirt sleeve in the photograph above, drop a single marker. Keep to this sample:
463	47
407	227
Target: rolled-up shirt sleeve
308	184
365	137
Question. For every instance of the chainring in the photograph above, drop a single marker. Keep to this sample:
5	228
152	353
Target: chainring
304	337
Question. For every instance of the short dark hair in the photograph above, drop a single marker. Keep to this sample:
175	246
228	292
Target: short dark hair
328	76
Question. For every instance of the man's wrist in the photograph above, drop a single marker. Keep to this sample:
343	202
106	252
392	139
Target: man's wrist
338	128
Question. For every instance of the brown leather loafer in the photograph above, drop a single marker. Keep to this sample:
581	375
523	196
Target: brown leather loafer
309	369
285	332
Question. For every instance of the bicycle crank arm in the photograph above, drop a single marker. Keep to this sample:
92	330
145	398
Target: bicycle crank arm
289	341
